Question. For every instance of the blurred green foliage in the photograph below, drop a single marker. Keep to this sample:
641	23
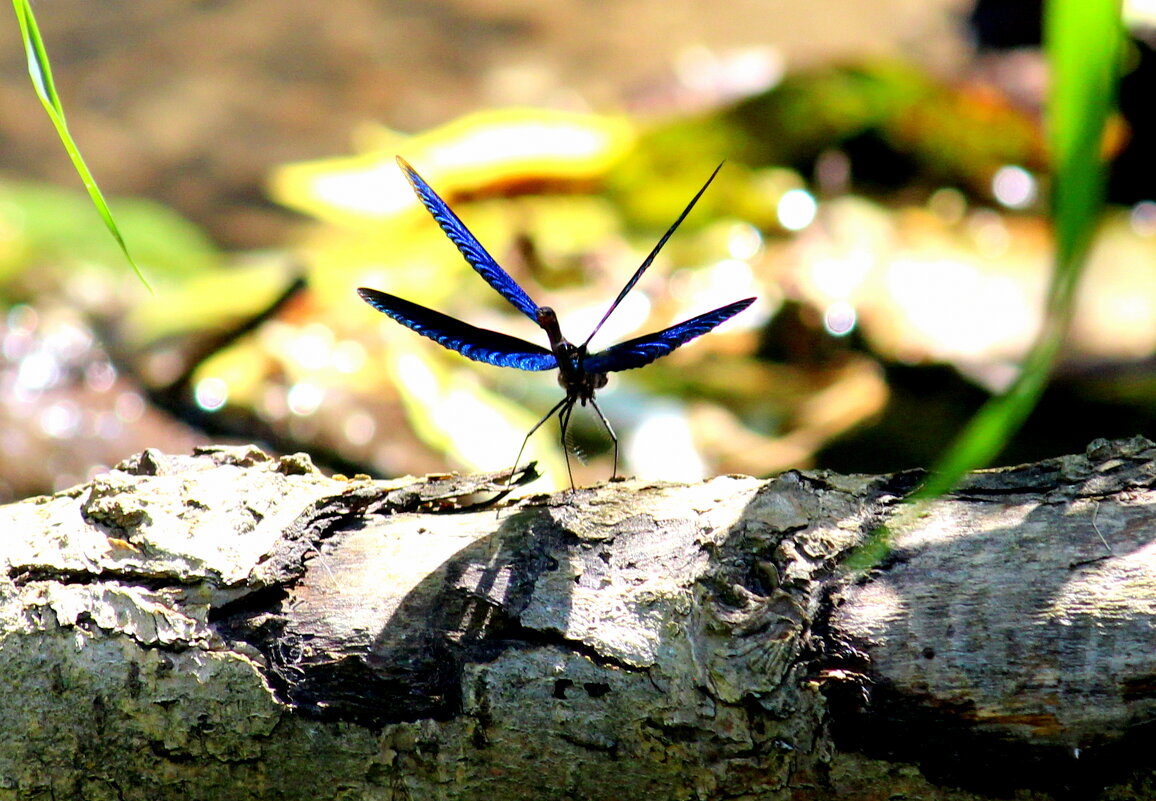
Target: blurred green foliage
46	225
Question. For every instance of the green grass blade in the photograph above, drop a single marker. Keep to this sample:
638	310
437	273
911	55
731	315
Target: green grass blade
1082	40
40	71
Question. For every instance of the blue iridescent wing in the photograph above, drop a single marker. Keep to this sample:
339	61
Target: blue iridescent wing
650	259
482	262
479	344
643	350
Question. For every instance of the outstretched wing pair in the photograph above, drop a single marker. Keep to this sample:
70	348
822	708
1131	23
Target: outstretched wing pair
579	368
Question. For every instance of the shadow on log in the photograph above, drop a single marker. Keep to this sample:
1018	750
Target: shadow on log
229	625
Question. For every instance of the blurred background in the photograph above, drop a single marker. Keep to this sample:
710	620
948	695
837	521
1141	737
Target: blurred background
883	197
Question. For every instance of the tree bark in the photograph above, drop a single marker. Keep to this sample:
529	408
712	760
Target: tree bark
232	626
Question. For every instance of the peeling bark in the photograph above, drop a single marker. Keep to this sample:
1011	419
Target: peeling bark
229	625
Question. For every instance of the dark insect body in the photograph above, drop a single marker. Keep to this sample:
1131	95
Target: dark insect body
580	373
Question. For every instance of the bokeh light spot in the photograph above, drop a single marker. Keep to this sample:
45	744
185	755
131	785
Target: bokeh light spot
129	407
305	398
1014	187
796	209
948	204
1142	218
743	241
359	428
211	393
60	420
100	376
839	318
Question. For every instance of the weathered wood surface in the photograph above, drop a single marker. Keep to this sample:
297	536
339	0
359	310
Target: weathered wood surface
227	625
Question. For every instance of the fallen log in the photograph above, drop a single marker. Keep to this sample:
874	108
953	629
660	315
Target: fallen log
232	625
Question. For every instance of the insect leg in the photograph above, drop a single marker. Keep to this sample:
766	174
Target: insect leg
525	441
609	431
564	422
